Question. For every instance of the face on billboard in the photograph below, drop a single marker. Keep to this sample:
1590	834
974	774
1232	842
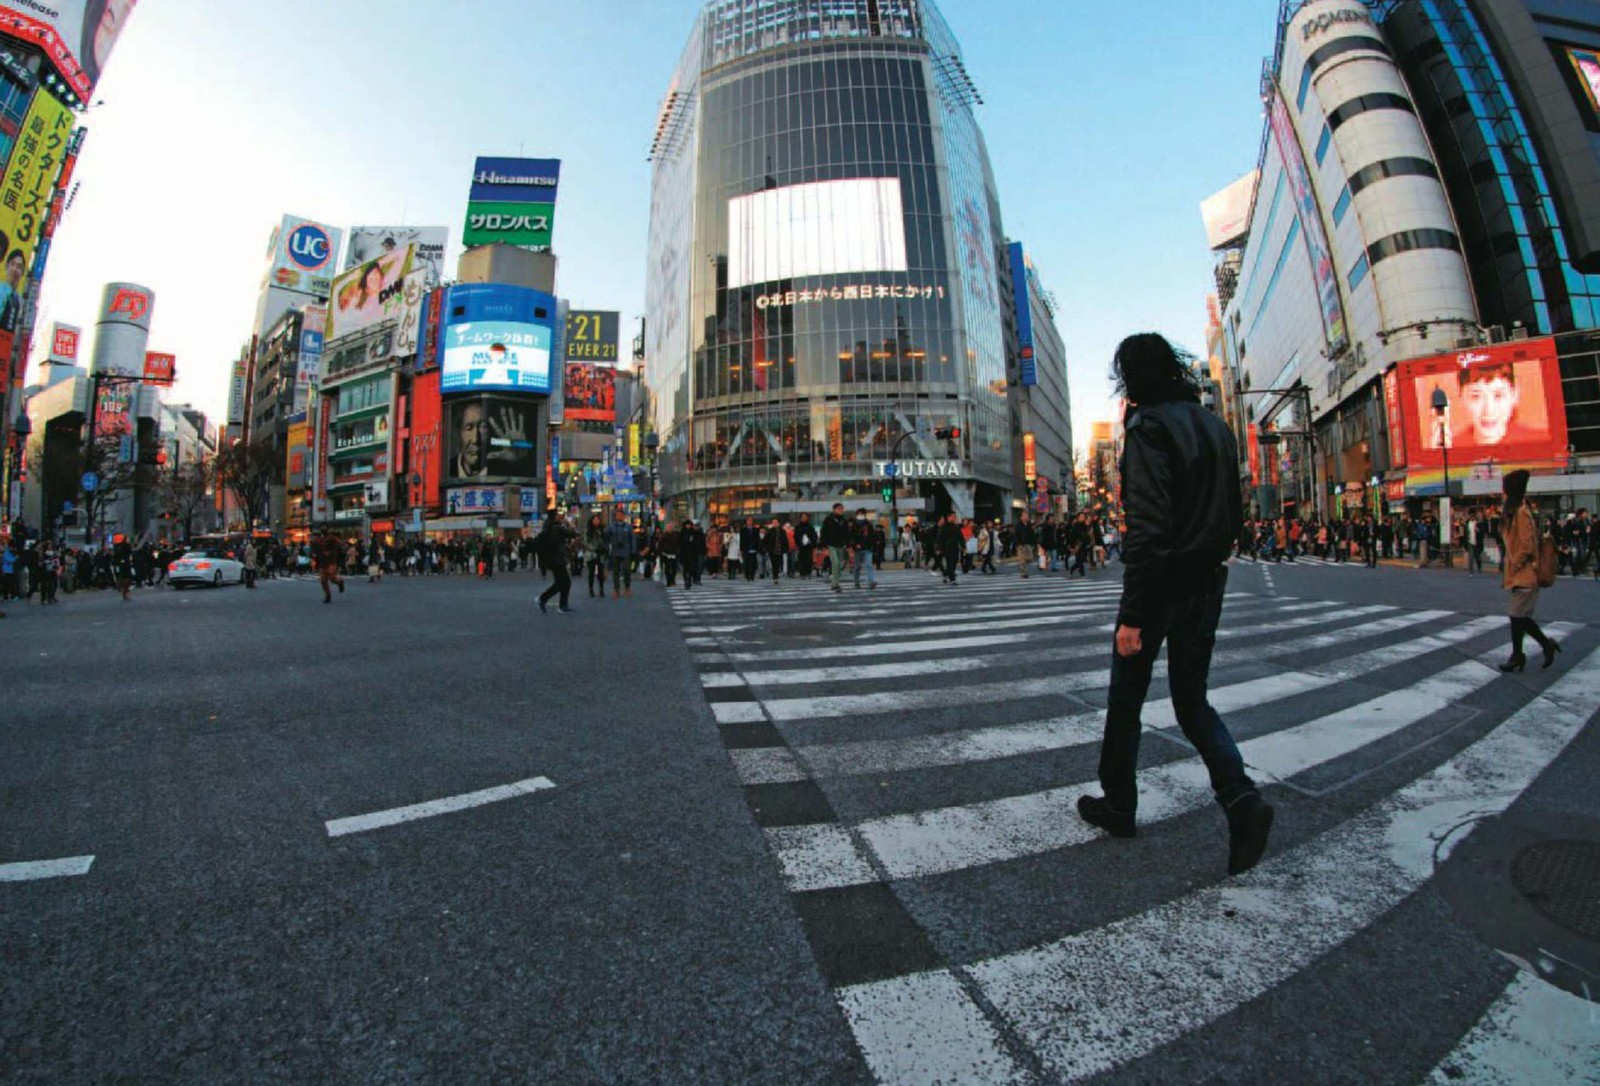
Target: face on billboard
491	438
590	393
77	35
370	242
1587	64
496	355
369	293
1502	403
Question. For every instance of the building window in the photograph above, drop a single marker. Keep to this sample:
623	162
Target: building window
1323	143
1410	240
1341	47
1359	272
1392	167
1366	103
1341	206
1305	86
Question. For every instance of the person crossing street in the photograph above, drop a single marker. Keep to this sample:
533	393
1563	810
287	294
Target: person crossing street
1181	496
327	552
836	538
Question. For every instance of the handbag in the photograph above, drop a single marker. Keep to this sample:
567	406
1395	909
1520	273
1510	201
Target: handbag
1546	564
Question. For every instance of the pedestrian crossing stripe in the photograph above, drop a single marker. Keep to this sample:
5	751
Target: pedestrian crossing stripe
923	1011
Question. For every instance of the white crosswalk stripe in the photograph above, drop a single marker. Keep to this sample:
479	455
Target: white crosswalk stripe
903	747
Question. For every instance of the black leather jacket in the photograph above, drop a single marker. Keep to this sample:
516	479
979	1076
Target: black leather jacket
1180	494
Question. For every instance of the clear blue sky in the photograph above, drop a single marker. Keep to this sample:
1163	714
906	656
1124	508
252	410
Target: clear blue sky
1107	124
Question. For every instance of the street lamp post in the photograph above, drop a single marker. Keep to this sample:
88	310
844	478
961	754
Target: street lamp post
1441	410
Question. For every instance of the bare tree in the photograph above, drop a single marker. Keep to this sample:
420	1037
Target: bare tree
185	489
249	471
103	458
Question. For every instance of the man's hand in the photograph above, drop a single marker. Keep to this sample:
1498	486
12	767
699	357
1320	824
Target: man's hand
506	427
1129	643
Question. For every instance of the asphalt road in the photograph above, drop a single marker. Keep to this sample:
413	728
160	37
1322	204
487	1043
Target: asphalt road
626	925
758	834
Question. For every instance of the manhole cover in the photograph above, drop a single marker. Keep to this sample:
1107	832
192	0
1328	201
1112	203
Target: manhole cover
1561	879
801	629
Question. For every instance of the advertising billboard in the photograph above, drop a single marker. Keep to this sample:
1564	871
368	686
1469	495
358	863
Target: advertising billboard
1504	404
1019	279
159	368
490	437
408	335
64	339
28	186
370	242
817	228
298	440
590	393
427	445
497	337
302	256
591	335
369	293
1586	62
512	201
1391	409
1316	239
236	389
1227	213
76	35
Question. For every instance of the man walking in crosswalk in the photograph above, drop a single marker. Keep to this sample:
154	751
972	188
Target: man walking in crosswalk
1180	494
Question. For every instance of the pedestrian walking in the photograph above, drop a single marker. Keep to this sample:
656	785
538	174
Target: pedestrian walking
326	552
1522	573
620	551
835	536
551	545
1026	538
1181	492
863	546
952	547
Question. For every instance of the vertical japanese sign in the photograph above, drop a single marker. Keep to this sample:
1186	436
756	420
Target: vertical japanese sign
1019	281
319	484
31	176
1391	407
1316	239
1030	457
633	444
1253	452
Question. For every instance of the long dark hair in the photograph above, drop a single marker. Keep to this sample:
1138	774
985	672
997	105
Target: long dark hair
1147	369
1515	486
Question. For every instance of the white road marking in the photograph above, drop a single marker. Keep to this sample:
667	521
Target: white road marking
837	705
28	871
1534	1032
955	838
339	827
1260	929
930	1034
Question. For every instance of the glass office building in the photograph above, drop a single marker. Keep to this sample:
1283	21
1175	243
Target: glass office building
825	254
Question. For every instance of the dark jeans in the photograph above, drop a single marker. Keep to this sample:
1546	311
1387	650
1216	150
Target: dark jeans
691	570
561	585
1188	624
621	574
949	564
750	561
669	566
597	573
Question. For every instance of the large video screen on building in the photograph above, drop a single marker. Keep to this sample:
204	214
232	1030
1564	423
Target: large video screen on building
489	437
1586	63
820	228
590	393
497	337
1504	404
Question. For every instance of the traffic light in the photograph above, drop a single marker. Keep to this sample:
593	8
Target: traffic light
888	495
948	433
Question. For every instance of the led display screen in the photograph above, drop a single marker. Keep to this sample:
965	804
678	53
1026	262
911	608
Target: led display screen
1503	403
821	228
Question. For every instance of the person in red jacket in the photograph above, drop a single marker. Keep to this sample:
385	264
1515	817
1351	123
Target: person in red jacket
327	552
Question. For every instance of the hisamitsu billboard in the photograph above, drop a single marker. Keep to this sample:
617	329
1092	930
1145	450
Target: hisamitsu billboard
515	180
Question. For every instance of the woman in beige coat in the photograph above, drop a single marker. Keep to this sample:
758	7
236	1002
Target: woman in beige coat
1521	540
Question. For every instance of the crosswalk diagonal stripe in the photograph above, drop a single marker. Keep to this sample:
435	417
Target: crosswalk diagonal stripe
907	668
970	835
882	701
1534	1032
947	626
907	612
1093	1001
879	756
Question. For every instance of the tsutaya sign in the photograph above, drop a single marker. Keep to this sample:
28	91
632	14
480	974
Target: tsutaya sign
916	469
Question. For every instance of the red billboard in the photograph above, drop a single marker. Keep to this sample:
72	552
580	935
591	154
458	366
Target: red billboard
1504	403
427	450
159	369
591	392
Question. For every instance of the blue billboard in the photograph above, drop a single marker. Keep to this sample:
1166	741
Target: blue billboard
515	180
497	338
1019	280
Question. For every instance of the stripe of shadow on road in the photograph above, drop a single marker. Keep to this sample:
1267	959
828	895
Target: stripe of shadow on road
339	827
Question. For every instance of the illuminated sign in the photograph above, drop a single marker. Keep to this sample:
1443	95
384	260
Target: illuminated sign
159	369
851	293
819	228
1030	457
916	469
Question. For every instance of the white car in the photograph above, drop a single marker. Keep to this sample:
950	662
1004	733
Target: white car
214	568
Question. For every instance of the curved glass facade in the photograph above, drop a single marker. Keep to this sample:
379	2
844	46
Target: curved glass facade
824	258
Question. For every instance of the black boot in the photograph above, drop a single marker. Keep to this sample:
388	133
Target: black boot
1517	660
1249	823
1095	811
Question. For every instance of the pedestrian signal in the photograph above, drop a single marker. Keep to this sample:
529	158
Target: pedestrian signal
948	433
888	494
